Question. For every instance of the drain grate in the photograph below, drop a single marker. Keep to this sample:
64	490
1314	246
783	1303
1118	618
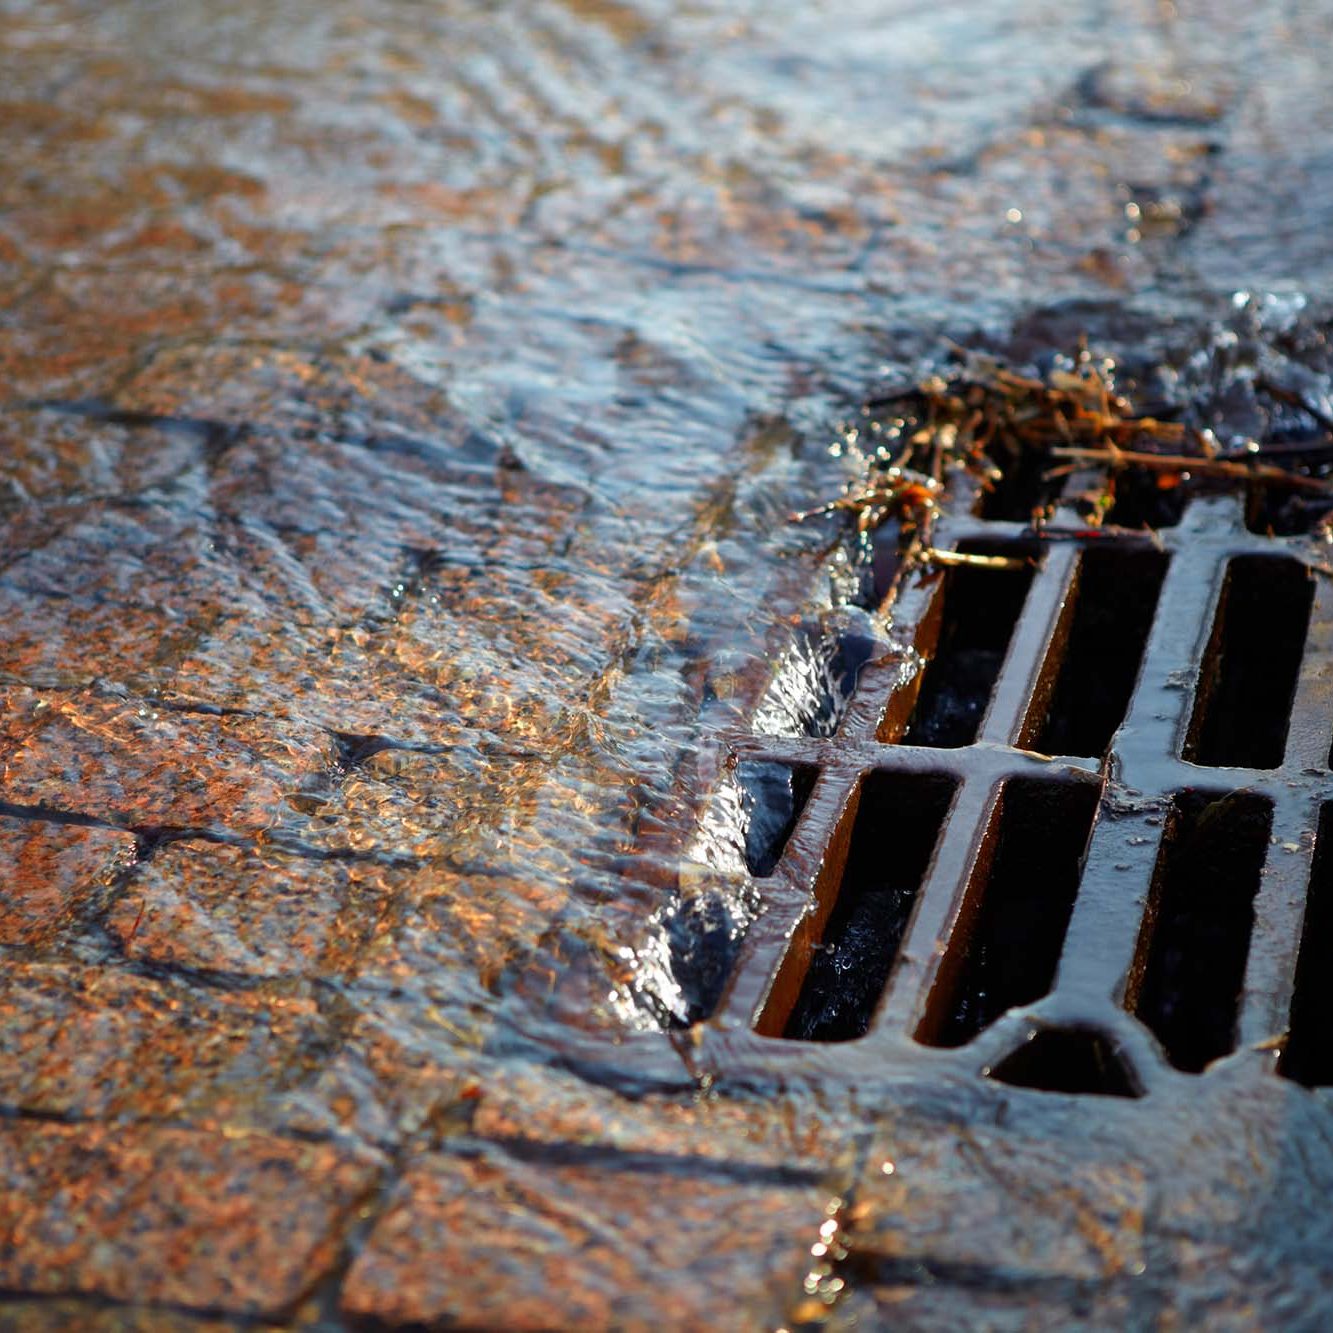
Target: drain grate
1072	852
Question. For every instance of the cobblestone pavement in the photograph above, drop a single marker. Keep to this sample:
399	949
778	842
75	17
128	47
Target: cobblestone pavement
400	405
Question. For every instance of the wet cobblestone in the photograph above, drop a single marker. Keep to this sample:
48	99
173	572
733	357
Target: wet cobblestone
400	411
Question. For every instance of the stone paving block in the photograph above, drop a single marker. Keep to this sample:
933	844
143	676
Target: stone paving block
933	1303
47	454
258	913
47	871
244	1224
1096	1224
91	1315
547	1106
588	1241
401	1071
127	762
966	1225
89	1042
339	534
113	590
964	1197
328	675
408	806
457	931
137	555
22	712
86	640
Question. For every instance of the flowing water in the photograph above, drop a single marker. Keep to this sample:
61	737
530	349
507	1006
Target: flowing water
403	405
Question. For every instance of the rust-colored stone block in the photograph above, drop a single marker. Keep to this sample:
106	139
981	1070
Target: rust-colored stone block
90	639
113	590
257	913
964	1197
543	1105
325	674
173	1217
128	762
50	455
457	932
47	871
90	1314
403	1072
585	1240
94	1042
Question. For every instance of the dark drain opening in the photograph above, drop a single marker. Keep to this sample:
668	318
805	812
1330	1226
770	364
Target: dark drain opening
1309	1055
1279	513
897	826
1296	439
1249	672
750	816
816	678
1148	500
1113	614
1023	488
1186	981
773	796
980	610
1012	925
1080	1061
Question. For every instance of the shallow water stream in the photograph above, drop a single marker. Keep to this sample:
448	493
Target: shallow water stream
402	408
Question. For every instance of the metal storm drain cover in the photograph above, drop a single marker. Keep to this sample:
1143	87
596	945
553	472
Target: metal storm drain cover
1061	826
1070	849
1012	901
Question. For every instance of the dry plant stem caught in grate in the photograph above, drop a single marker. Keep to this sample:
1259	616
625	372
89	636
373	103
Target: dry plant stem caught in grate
984	411
1180	464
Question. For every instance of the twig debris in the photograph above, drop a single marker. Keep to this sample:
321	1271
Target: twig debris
984	419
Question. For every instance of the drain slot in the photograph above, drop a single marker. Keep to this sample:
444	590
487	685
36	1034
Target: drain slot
1249	672
774	796
1113	614
980	610
1007	943
754	811
1187	979
1023	488
897	826
1143	501
1077	1061
1309	1055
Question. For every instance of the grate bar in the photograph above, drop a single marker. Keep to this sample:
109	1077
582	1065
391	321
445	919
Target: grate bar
1279	912
944	898
771	967
1024	679
1310	736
